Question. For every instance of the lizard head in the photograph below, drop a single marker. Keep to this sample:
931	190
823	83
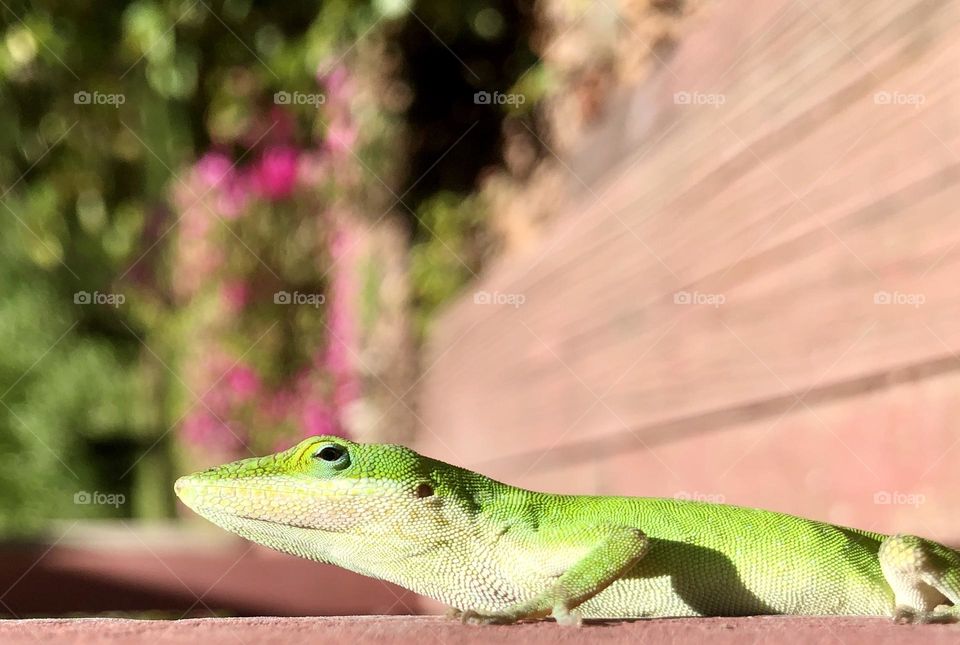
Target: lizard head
320	497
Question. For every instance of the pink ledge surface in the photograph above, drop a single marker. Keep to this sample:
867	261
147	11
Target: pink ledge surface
424	630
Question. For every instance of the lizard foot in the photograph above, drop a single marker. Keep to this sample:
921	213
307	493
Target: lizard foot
567	617
904	615
563	616
471	617
942	614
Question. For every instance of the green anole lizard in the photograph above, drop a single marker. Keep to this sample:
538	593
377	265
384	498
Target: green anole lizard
497	553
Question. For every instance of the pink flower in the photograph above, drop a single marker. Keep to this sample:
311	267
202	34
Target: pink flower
317	418
204	429
341	243
346	391
338	359
313	168
234	196
341	136
276	172
213	168
243	382
218	400
278	407
194	223
236	294
338	84
199	427
230	188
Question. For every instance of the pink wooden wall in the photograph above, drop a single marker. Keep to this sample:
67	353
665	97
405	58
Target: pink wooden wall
753	294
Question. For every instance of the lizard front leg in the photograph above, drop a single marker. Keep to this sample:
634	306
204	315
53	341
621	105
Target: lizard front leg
617	550
924	577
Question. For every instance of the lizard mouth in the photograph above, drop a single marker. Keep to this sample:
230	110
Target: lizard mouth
292	524
182	485
231	503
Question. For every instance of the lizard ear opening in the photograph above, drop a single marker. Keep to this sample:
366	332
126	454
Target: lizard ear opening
424	490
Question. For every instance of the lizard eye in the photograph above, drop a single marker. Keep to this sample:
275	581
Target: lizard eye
330	453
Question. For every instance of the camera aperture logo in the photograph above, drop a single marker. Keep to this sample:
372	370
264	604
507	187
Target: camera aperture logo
97	298
897	498
496	298
697	298
98	98
299	98
499	98
896	298
96	498
697	496
297	298
699	98
885	97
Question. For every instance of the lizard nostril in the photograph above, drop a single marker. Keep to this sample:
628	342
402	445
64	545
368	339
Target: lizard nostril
424	490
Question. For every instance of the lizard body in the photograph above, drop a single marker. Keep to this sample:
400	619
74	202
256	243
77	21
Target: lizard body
498	553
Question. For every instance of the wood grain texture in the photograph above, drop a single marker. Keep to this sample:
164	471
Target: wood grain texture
795	169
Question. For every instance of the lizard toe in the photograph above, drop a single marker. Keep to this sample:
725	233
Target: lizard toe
904	615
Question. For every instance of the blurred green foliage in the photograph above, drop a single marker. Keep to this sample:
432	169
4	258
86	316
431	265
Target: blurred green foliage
450	252
63	389
105	106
